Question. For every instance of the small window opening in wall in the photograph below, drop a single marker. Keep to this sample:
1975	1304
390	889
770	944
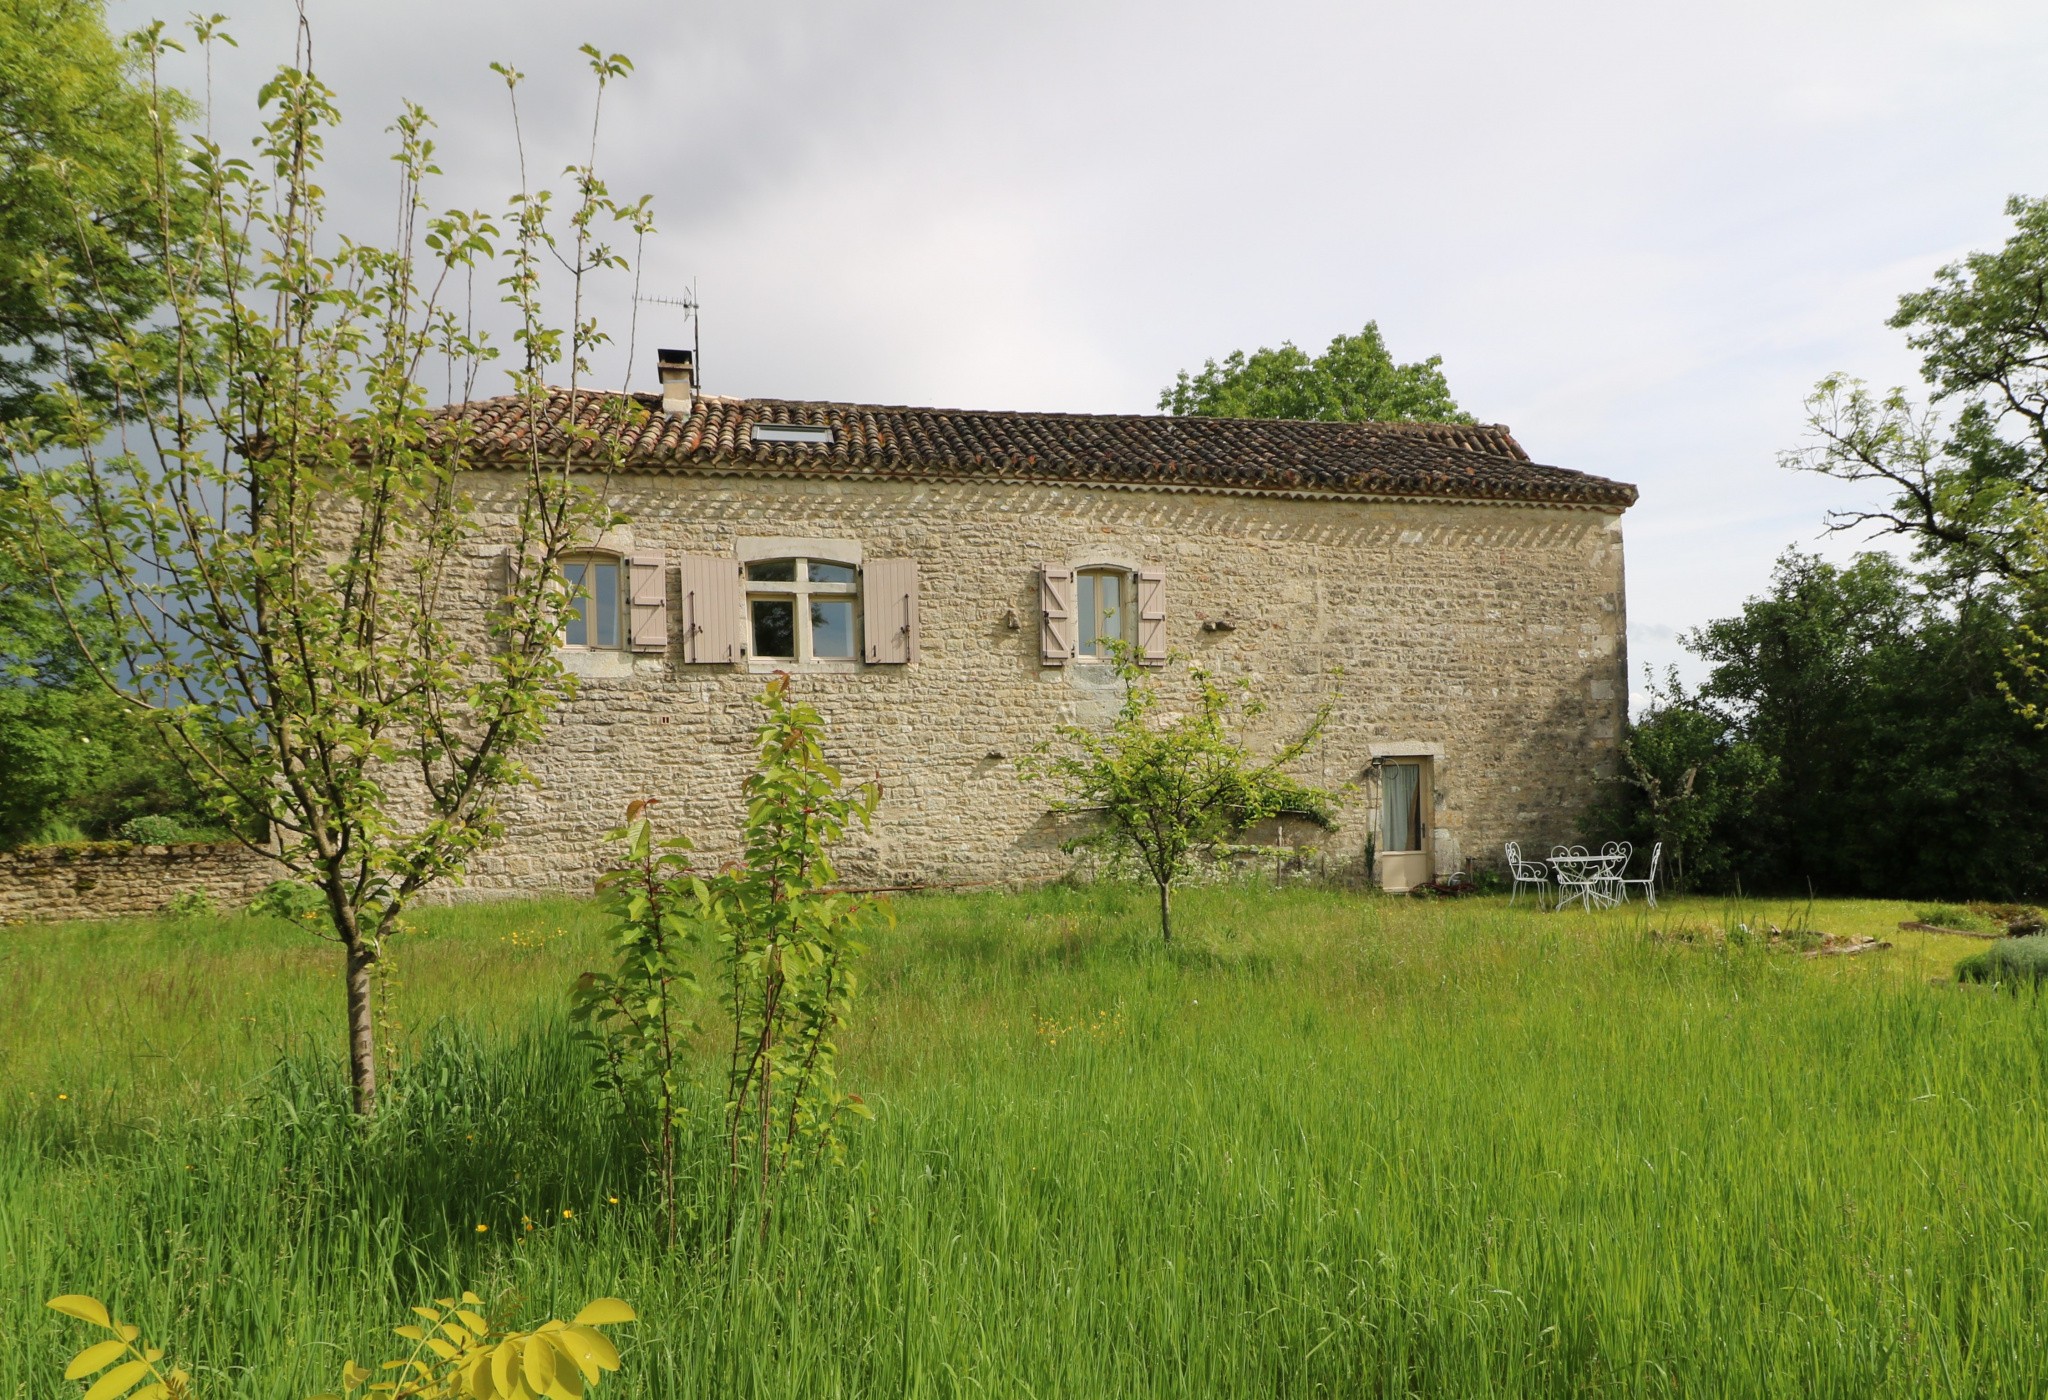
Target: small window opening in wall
1102	601
596	605
791	432
803	610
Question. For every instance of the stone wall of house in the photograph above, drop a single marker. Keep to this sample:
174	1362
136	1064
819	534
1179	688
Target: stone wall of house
1486	637
107	880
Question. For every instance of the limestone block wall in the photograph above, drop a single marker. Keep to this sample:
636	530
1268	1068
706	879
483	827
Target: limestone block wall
1488	637
108	880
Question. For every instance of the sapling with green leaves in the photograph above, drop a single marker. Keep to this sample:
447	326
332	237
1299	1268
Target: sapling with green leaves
789	949
638	1016
270	519
1162	786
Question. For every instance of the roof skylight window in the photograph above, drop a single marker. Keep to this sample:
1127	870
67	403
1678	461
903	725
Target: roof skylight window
791	432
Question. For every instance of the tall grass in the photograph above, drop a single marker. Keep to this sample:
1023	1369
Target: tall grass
1330	1145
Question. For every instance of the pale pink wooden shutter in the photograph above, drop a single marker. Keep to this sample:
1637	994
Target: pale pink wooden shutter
647	602
888	606
714	610
1152	616
1056	608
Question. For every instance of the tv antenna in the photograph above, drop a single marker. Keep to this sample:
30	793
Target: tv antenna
689	303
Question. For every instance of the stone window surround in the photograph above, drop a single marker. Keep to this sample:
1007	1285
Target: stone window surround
752	549
620	624
1125	564
603	663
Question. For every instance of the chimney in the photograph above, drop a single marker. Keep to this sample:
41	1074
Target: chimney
677	370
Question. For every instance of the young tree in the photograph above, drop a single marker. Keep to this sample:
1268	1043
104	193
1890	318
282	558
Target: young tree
1355	380
273	543
637	1015
787	949
1163	786
789	946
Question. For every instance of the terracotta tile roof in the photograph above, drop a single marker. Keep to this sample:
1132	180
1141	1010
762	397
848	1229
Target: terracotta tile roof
1188	454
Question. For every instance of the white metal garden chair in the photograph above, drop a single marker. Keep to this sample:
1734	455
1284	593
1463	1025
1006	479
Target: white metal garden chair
1620	851
1528	874
1649	881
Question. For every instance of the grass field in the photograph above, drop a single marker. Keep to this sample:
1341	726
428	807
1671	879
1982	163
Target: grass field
1327	1145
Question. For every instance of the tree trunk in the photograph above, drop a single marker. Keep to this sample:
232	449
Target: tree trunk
362	1026
1165	912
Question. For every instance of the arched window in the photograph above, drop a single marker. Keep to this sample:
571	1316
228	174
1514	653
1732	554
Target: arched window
803	610
597	607
1103	610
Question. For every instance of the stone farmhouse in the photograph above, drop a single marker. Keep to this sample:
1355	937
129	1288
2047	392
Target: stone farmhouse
942	584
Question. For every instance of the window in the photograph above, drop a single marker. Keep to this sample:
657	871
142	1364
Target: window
1102	609
791	432
596	603
1401	807
803	610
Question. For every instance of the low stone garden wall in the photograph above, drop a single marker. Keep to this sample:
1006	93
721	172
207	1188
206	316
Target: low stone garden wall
110	879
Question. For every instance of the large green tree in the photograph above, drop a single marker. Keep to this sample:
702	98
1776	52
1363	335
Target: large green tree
1964	476
83	144
1878	727
73	756
1690	779
1851	737
76	759
1355	380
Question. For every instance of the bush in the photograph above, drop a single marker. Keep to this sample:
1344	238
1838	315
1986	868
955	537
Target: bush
2013	962
2018	920
190	904
1953	916
57	831
152	830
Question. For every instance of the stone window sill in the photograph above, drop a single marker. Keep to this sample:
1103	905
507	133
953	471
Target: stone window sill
596	663
757	667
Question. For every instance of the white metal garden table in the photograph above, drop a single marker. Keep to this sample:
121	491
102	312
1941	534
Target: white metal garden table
1592	881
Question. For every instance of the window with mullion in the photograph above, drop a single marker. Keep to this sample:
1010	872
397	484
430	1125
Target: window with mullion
803	610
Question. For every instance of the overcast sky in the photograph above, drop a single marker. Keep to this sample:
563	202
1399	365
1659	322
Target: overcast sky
1636	233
